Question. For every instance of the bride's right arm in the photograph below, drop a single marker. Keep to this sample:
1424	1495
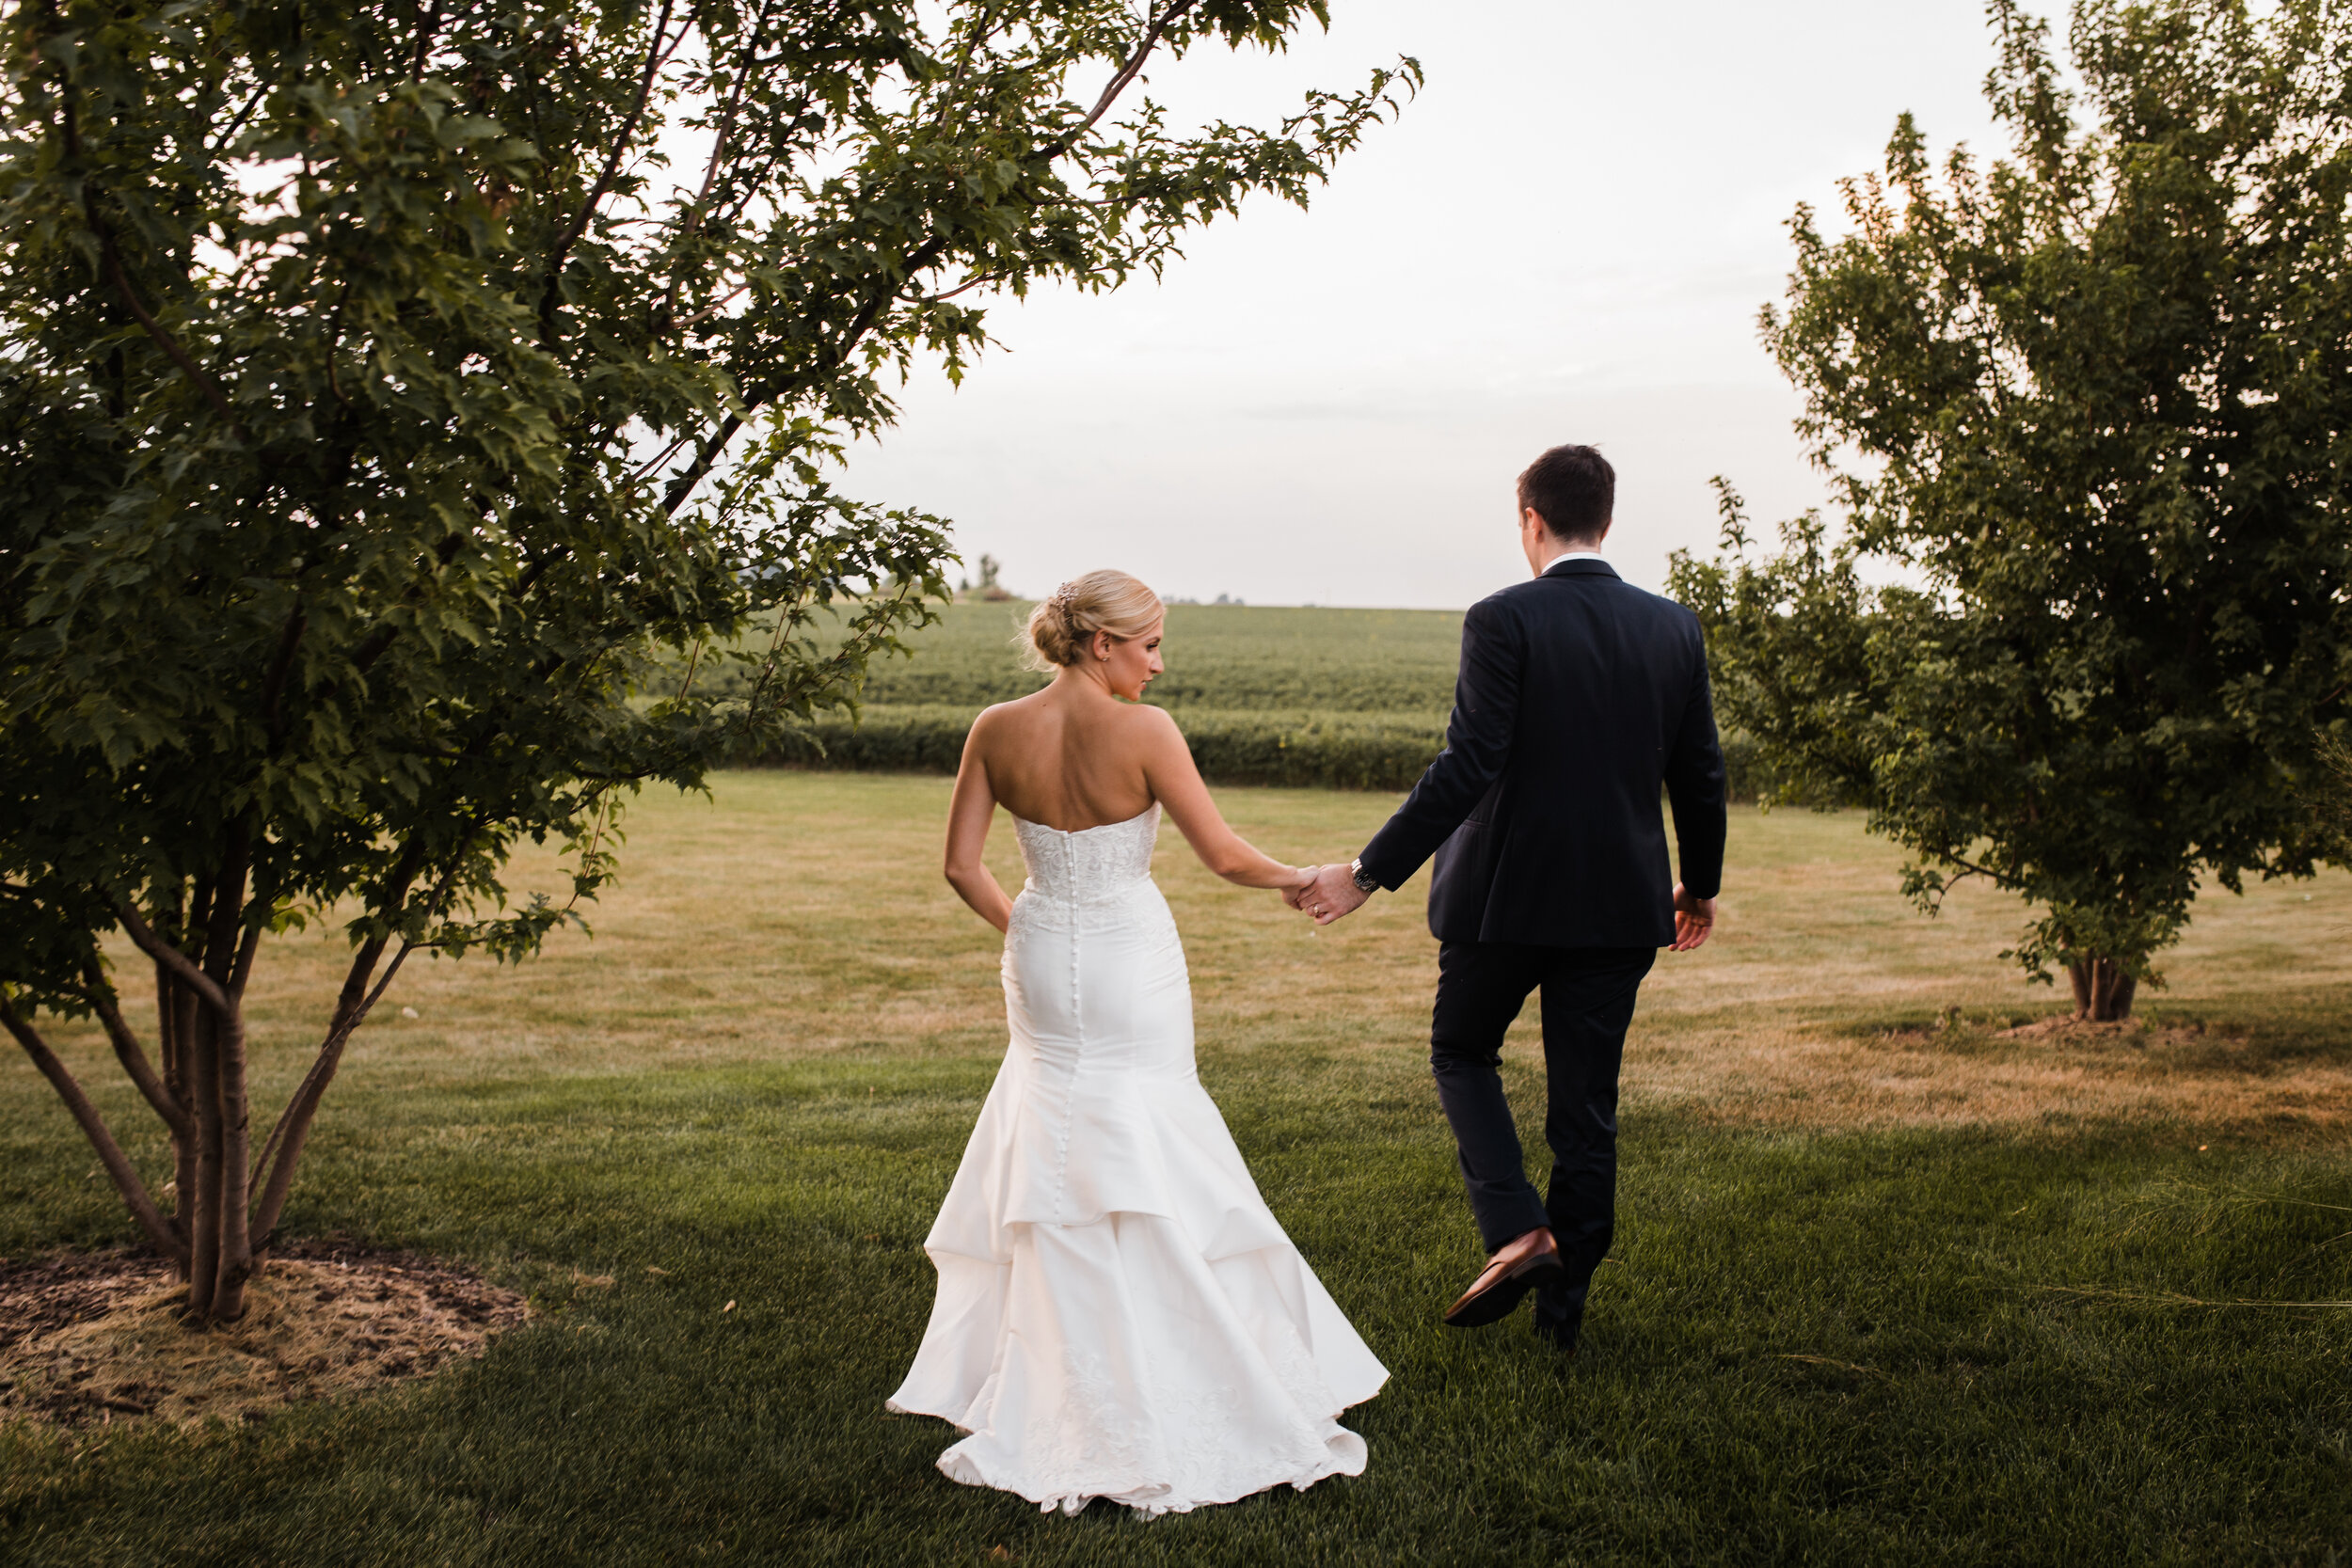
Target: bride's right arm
1175	783
968	816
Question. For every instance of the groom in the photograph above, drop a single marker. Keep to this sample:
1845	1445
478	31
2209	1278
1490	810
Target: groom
1580	697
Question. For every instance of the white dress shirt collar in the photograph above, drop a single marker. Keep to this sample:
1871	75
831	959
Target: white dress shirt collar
1570	555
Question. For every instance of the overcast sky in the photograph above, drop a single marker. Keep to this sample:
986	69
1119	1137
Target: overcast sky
1565	238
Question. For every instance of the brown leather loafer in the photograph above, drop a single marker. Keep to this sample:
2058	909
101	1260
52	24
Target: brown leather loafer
1496	1291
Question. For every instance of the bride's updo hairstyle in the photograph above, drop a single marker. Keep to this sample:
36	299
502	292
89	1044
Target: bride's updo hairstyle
1066	620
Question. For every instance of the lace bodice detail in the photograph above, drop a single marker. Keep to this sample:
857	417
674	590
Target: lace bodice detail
1092	865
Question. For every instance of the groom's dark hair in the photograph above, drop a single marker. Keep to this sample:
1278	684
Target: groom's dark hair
1574	490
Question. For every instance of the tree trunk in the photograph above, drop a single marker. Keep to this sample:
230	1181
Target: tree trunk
236	1237
2103	990
175	1021
200	1030
227	1195
229	949
204	1248
206	1052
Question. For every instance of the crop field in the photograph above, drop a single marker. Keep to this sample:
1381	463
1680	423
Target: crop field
1350	699
1341	698
1220	658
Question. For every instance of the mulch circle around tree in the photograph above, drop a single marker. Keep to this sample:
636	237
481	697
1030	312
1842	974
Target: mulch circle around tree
91	1340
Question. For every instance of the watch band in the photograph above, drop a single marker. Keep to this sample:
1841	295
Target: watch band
1365	881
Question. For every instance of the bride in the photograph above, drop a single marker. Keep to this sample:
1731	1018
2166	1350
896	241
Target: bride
1119	1313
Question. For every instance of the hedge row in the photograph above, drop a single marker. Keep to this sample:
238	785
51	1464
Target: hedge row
1331	750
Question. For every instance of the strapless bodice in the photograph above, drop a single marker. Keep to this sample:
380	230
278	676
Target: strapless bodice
1092	865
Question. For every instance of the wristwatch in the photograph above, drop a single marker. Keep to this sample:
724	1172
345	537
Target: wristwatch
1365	881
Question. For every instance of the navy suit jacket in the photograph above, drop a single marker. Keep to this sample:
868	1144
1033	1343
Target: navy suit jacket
1580	697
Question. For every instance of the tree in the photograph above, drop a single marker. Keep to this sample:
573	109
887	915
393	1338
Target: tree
2333	805
2089	415
990	589
388	442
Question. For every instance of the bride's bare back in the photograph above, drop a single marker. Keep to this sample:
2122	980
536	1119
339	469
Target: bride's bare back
1082	753
1069	758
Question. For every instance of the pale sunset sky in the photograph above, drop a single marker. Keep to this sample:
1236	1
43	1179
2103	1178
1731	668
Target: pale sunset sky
1565	238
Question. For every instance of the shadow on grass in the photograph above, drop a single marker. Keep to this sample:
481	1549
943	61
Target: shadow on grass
2208	1042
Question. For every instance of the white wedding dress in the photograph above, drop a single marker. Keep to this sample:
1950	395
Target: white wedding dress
1119	1313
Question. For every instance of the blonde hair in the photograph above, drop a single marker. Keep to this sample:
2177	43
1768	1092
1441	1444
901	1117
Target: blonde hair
1066	620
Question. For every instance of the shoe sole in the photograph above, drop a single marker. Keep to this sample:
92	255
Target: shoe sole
1496	1302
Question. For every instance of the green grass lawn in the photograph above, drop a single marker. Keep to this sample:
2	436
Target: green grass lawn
1891	1285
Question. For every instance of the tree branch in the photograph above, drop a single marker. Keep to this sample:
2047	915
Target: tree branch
659	458
350	1010
274	687
134	1059
923	255
224	921
172	959
352	1004
424	41
538	569
655	55
965	287
165	340
94	1127
111	260
719	143
982	25
703	315
242	971
833	357
294	1124
683	485
236	124
371	647
1118	84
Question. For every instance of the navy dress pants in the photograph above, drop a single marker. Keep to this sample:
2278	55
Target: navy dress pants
1588	996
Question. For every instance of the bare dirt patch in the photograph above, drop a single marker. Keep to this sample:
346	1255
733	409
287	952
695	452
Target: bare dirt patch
2066	1029
89	1340
1957	1072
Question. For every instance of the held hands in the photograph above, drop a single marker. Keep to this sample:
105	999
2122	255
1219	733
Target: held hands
1324	892
1330	893
1694	919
